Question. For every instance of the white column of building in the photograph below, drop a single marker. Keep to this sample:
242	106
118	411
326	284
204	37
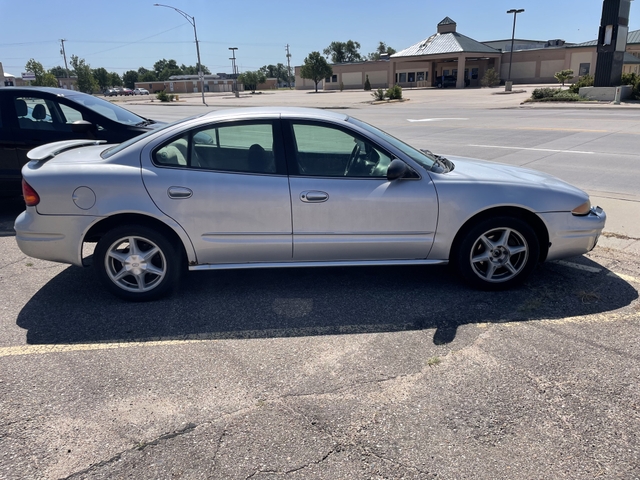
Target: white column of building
461	66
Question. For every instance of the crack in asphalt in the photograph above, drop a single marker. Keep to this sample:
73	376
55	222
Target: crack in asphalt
186	429
338	448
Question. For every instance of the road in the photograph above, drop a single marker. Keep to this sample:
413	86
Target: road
363	373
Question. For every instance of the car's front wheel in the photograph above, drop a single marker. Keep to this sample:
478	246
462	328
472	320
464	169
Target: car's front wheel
137	263
497	253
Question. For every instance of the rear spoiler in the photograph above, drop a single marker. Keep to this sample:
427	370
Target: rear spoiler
50	150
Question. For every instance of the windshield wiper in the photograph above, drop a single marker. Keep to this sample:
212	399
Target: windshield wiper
441	164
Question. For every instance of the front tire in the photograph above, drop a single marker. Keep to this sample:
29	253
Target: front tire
497	253
137	263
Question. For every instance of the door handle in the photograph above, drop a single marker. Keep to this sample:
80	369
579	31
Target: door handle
314	196
179	192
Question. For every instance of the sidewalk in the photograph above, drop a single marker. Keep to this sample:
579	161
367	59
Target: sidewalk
473	98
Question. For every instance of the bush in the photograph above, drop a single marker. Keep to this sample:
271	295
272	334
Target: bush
490	78
394	93
540	93
367	84
564	75
554	95
633	80
584	81
164	96
378	95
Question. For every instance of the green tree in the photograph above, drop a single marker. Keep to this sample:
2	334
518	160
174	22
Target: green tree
193	69
43	79
102	78
86	82
251	80
147	76
278	72
367	84
315	68
129	78
490	78
343	52
58	72
114	79
564	75
166	68
382	49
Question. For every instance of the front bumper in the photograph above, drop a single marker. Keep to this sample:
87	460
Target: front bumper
571	235
57	238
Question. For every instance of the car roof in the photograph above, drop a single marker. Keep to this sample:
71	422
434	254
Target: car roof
285	112
47	90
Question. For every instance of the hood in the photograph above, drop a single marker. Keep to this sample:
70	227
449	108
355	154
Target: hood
473	170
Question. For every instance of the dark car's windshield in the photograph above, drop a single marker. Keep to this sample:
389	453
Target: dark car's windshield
107	109
423	158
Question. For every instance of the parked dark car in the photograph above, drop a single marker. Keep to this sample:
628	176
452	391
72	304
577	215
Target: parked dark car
450	81
111	92
33	116
446	81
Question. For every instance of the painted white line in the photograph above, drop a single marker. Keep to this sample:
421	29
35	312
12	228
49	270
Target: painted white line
534	149
434	119
626	278
577	266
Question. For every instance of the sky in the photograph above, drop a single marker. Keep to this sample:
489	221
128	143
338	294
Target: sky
122	35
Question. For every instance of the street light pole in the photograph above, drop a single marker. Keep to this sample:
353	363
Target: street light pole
513	35
192	21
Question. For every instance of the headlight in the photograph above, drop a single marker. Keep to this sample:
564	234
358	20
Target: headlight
583	209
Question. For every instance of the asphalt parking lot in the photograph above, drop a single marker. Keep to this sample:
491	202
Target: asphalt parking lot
361	373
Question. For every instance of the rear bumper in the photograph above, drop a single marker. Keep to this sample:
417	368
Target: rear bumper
572	235
57	238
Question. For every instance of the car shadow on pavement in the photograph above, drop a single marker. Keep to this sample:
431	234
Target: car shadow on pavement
268	303
11	207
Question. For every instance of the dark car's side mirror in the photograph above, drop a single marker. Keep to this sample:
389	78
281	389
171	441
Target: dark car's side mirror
397	169
81	126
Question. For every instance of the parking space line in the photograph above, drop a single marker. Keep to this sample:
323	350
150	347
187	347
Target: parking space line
534	149
626	278
577	266
434	119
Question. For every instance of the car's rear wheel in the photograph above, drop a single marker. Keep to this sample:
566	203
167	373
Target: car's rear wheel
497	253
137	263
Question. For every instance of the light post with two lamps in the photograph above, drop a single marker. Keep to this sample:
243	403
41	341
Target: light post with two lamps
192	21
508	83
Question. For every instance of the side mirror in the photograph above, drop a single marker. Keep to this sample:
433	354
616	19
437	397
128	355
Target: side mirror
81	126
397	169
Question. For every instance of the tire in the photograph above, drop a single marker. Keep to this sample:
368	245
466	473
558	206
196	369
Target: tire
151	273
497	253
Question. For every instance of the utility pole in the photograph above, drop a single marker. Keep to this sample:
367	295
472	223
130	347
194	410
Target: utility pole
235	71
64	55
288	66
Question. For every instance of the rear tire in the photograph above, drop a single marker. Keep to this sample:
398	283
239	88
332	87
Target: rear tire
497	253
137	263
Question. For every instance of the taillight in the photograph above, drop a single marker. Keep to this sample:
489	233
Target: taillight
31	197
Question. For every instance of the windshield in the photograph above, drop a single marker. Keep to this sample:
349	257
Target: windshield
121	146
423	158
107	109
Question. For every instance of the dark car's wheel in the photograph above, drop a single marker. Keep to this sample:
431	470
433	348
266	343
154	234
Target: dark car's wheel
439	85
497	253
137	263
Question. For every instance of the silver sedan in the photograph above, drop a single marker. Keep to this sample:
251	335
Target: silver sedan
286	187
